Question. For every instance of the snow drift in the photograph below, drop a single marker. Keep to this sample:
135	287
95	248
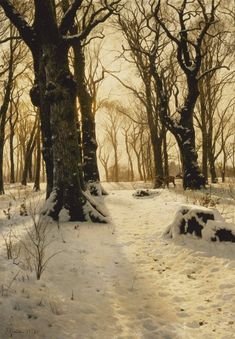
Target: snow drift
201	222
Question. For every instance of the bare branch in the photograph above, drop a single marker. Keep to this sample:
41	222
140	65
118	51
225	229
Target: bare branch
97	17
211	70
69	16
9	39
26	31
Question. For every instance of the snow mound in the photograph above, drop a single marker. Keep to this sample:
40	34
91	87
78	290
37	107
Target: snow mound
201	222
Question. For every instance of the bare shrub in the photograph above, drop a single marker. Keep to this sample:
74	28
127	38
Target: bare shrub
7	237
19	192
33	246
201	198
23	209
8	212
231	188
207	200
36	243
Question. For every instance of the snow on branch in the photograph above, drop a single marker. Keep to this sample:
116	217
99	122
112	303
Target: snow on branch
26	31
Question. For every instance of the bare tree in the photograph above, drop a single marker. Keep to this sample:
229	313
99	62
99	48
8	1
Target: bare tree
104	159
10	60
13	119
126	131
188	41
38	160
93	14
139	39
217	52
227	131
111	128
29	151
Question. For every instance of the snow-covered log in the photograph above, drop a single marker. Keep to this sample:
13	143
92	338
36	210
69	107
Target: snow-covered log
201	222
141	193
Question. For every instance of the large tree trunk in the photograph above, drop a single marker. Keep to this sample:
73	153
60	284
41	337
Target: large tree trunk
185	134
183	130
38	99
90	178
156	141
192	177
89	144
61	94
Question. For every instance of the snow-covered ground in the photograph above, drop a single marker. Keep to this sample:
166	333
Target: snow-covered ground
123	279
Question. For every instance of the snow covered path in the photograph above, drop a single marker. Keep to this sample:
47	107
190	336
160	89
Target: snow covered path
123	280
186	285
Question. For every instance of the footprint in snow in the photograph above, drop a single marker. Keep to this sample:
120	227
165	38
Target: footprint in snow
179	299
223	286
183	315
142	316
193	324
149	325
163	294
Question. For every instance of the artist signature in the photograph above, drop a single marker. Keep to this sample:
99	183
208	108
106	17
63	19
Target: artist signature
10	331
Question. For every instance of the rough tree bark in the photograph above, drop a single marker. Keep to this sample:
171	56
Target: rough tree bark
202	121
89	144
93	15
185	135
156	140
37	94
